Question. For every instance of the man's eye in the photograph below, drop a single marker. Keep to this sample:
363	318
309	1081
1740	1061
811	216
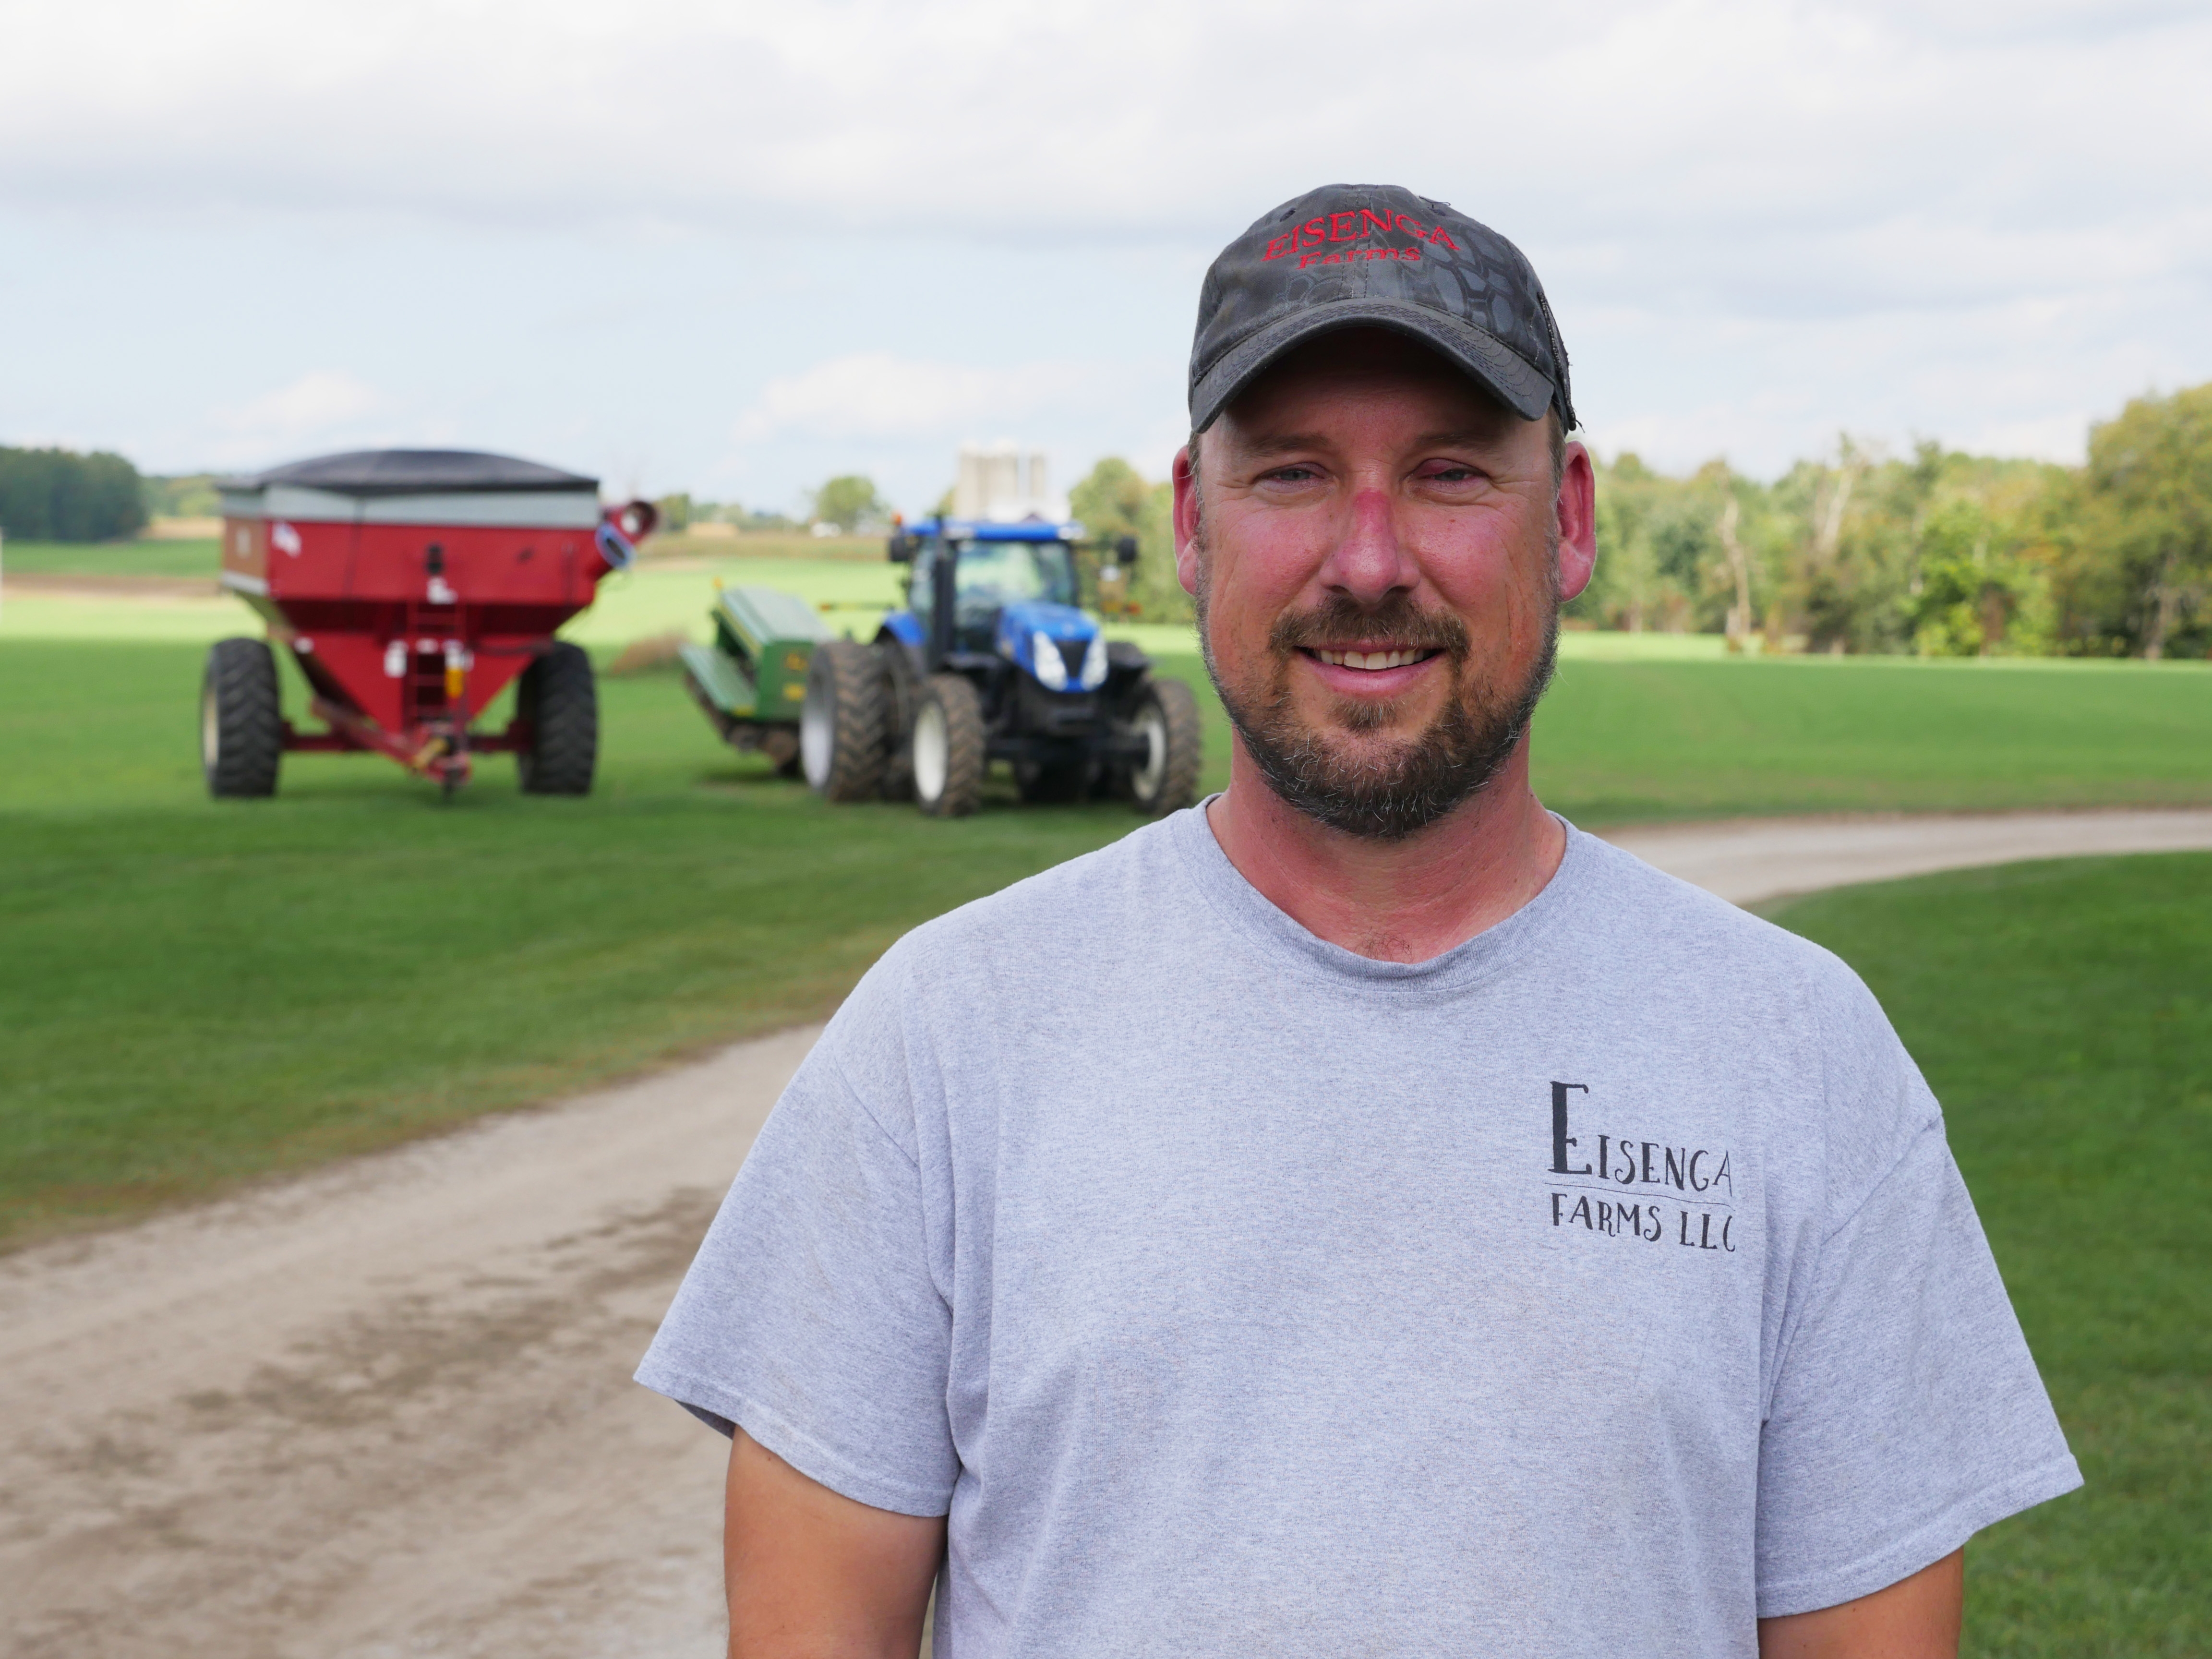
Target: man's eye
1453	475
1294	474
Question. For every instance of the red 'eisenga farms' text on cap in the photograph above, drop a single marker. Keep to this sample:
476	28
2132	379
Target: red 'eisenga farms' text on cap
1378	256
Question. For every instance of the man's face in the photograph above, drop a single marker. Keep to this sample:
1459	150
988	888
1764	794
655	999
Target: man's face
1379	553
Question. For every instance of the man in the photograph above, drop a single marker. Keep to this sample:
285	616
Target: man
1361	1214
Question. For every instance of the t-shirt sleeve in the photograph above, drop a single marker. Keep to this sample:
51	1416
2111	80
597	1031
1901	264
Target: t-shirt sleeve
1906	1413
810	1317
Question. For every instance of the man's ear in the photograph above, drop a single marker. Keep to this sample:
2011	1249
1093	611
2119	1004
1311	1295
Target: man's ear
1186	521
1577	511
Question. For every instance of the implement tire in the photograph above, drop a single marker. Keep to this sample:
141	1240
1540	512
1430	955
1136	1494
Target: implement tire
559	700
948	748
841	739
241	720
1166	780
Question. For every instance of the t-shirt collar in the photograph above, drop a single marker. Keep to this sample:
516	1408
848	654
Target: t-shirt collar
1275	934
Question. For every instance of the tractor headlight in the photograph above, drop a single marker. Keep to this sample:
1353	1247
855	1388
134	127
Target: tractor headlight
1051	669
1094	664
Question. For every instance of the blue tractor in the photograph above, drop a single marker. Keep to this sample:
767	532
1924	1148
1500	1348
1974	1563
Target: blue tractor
993	659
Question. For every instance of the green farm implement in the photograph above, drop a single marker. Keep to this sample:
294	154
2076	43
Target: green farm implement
751	681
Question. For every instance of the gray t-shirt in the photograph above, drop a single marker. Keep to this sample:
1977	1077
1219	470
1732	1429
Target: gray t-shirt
1597	1286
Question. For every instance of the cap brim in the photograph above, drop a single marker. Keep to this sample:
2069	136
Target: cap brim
1502	373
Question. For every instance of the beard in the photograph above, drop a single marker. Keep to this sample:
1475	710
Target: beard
1376	789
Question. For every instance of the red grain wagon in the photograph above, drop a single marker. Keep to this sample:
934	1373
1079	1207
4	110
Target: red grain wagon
408	587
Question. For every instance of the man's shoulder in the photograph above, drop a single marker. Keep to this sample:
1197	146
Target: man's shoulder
1684	929
1742	984
1079	908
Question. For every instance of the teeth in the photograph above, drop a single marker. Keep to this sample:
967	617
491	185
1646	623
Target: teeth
1370	660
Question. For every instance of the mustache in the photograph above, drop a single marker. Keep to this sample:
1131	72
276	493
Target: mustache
1339	623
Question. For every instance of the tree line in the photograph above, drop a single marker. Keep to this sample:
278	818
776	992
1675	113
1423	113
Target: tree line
58	495
1939	554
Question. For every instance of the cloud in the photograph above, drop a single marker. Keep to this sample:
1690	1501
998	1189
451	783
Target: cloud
1896	215
315	407
313	403
874	395
2063	438
1130	121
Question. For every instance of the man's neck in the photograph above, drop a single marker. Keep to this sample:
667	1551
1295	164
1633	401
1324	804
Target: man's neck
1394	901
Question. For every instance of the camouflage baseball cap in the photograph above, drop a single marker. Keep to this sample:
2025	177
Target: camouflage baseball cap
1375	255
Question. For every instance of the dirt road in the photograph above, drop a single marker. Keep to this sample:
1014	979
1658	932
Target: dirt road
1754	859
384	1409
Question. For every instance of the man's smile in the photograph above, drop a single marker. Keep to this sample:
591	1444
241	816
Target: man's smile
1371	668
1369	659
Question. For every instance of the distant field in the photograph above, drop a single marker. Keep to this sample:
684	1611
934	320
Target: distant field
196	557
766	544
1625	741
146	558
2063	1014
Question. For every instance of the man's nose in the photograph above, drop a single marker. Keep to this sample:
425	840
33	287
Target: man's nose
1369	563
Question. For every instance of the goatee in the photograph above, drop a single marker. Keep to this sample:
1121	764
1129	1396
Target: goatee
1383	791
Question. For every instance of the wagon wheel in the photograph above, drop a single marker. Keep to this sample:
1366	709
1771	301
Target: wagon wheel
560	702
840	724
1166	780
241	719
948	748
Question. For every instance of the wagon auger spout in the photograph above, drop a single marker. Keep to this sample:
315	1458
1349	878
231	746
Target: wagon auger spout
409	588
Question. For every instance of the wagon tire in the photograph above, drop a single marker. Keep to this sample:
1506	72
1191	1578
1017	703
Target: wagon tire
948	748
241	720
559	701
1164	779
840	724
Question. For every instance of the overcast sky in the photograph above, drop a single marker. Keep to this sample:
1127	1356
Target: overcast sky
736	247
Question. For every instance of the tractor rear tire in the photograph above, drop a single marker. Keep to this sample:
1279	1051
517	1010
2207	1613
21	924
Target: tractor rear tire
948	748
241	720
842	737
560	701
1166	780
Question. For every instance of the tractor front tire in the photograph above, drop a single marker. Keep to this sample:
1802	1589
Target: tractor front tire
948	748
1166	779
560	702
241	720
840	724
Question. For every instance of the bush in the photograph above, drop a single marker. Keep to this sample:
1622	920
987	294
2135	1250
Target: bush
1115	501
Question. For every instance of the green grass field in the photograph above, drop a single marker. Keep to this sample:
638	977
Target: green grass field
200	992
146	558
2063	1014
1631	740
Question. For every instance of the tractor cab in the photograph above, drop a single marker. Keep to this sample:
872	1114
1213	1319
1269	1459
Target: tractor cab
993	571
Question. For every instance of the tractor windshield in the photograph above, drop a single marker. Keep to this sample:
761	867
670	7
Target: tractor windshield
1002	573
994	575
